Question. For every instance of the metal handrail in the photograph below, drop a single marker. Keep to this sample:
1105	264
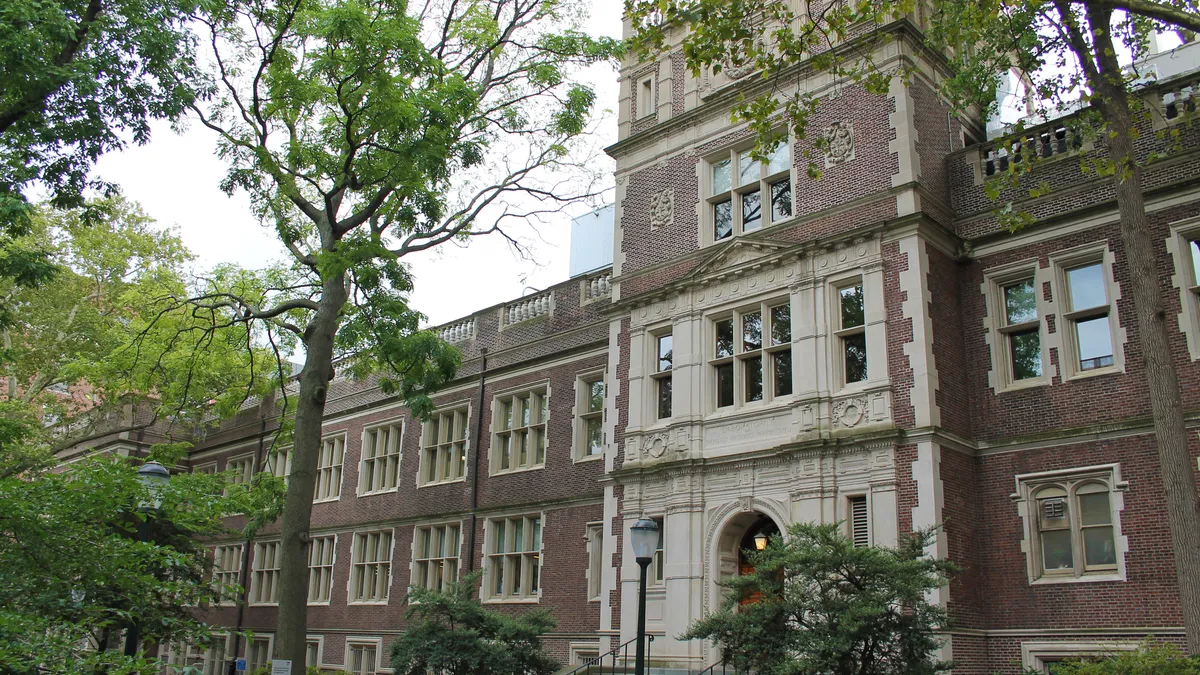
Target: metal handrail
721	667
597	662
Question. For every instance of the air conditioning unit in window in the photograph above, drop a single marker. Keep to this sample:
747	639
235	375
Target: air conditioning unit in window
1054	508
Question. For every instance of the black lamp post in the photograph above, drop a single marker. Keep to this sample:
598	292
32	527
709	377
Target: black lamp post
154	478
643	536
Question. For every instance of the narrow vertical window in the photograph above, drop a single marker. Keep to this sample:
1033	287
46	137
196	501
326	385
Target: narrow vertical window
435	557
363	658
380	467
646	105
852	333
520	431
752	361
264	582
1089	316
312	653
1054	526
723	362
227	572
860	532
329	470
595	546
662	376
444	447
320	569
1022	330
1194	249
659	562
591	419
372	567
781	349
514	558
259	654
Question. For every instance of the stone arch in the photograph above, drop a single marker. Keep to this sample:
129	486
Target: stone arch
725	529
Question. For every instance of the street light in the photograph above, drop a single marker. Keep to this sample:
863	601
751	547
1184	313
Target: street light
643	536
154	477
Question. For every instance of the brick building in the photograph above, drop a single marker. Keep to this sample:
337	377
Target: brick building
872	348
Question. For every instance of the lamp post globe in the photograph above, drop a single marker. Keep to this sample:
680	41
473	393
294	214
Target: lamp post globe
154	477
643	537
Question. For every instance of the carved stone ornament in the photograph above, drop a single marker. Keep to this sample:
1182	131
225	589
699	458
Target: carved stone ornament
662	208
849	412
839	139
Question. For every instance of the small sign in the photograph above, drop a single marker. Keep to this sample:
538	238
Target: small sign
281	667
240	666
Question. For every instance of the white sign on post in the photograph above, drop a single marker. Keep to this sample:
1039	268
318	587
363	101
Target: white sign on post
281	667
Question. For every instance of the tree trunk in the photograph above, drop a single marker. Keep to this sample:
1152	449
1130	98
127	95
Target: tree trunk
306	447
1179	482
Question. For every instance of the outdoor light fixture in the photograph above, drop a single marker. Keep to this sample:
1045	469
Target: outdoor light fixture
760	541
643	537
154	477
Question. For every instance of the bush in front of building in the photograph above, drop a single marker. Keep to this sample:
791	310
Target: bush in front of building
1150	658
452	633
816	603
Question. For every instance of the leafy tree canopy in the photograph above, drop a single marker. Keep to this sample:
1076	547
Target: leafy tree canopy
451	632
1150	658
816	604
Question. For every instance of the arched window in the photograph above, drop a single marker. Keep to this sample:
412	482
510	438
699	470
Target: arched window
1075	534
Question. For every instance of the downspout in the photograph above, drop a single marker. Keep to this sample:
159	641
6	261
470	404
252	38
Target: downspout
475	463
244	576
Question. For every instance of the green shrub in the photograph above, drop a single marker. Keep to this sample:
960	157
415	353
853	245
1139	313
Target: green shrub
1150	658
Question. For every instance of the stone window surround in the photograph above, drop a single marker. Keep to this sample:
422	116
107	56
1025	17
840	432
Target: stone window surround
320	640
845	503
654	375
341	467
1037	655
1063	337
395	422
486	583
1178	245
1027	483
594	539
258	637
206	467
578	652
256	572
413	558
463	406
708	397
646	96
364	641
543	390
874	321
352	572
332	568
579	437
994	281
706	235
271	462
239	553
243	460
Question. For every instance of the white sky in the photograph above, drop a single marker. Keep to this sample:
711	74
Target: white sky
175	178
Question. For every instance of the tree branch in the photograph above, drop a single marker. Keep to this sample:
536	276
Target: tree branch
1151	10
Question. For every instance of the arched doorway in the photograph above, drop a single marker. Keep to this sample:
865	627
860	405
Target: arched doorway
734	534
751	541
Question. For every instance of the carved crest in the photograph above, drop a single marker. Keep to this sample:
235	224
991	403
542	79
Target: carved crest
849	412
839	143
662	208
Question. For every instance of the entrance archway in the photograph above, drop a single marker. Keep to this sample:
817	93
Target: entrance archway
764	526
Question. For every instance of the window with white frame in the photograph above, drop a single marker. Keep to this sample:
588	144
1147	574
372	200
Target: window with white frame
379	470
745	195
209	468
589	407
646	105
227	571
752	354
320	568
1015	325
514	558
662	375
658	565
1184	246
371	576
444	447
278	463
264	580
362	657
519	429
1072	524
240	469
258	653
217	656
852	332
1086	312
329	470
595	549
859	521
435	556
313	648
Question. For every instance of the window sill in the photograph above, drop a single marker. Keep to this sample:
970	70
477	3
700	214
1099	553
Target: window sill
1021	385
376	493
319	604
368	603
262	604
512	601
589	458
1085	579
327	500
1097	372
442	482
507	472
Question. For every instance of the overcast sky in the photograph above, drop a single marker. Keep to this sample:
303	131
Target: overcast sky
175	178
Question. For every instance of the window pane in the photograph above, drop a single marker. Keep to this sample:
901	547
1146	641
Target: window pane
748	169
1020	304
781	200
724	339
783	372
665	357
1093	509
1087	287
664	398
856	358
595	436
721	175
1026	348
751	331
751	211
781	324
725	385
781	158
754	379
1098	548
1056	550
852	306
1194	247
722	219
1095	343
596	396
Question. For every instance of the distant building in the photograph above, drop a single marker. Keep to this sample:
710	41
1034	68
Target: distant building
872	348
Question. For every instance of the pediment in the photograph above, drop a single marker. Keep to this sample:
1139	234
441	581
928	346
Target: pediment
736	255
